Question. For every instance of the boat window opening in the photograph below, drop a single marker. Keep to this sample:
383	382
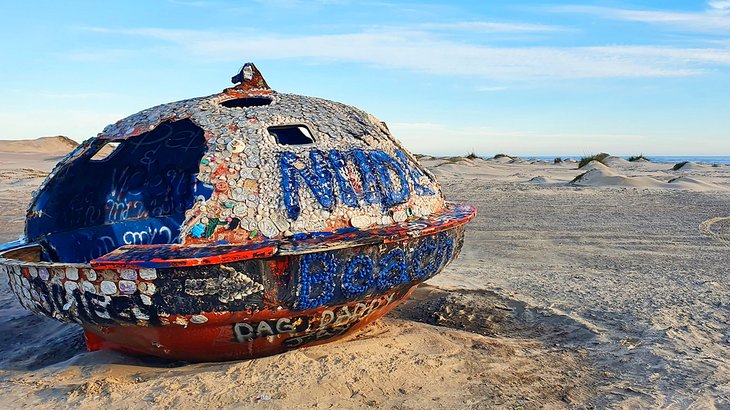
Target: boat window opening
292	135
137	196
246	102
105	151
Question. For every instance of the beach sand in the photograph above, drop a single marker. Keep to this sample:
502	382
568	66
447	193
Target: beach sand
610	290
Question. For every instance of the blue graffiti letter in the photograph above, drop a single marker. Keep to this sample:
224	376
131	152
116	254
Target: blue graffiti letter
383	163
415	173
347	194
318	178
316	286
358	276
392	270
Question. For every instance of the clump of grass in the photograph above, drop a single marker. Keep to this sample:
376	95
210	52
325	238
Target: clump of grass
679	165
472	155
558	160
598	157
578	178
498	156
716	165
639	157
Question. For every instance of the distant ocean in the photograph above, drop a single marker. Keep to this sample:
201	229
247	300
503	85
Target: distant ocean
654	158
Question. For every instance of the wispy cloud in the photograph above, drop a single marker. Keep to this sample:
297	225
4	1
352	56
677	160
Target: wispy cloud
720	5
422	51
300	3
61	95
714	20
487	89
493	27
97	55
191	3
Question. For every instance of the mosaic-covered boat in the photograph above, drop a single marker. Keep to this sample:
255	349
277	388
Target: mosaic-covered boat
237	225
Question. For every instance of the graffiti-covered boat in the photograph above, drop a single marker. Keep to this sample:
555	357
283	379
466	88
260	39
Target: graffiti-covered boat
238	225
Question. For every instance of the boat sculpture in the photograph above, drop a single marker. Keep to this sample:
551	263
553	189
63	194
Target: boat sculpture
238	225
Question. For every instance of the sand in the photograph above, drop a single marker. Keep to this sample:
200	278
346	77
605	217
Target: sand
58	145
611	293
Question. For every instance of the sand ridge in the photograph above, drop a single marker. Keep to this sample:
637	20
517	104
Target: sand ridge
613	172
58	145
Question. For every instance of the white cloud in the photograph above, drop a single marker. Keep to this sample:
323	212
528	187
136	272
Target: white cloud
492	27
715	20
490	88
422	51
720	5
300	3
88	56
191	3
59	95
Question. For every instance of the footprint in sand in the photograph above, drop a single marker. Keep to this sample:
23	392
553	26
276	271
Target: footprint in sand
718	228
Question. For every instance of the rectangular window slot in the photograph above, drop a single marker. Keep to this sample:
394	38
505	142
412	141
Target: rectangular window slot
292	135
105	151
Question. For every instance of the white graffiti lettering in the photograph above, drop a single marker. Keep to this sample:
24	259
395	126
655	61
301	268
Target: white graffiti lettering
151	235
245	332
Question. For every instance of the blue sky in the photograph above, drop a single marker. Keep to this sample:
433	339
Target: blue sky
524	78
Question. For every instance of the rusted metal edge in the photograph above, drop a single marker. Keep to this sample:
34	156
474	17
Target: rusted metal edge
169	256
176	255
451	216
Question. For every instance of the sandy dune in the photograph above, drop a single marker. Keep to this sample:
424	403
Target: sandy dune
598	177
58	145
615	173
609	294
